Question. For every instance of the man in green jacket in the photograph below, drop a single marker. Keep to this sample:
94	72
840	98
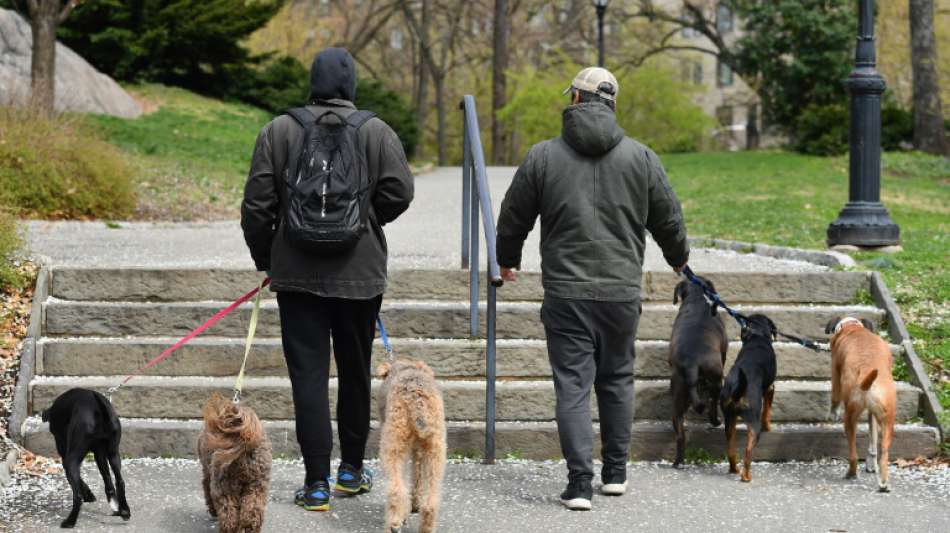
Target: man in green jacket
597	193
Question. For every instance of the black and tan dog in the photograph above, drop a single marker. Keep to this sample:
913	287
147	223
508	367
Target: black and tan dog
84	421
749	389
698	348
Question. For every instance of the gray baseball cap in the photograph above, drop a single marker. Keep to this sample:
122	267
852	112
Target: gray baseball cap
598	81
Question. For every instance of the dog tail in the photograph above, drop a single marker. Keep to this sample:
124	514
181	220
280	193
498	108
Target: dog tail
868	379
732	391
425	408
691	377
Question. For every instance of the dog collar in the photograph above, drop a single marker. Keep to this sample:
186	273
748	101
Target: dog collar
847	320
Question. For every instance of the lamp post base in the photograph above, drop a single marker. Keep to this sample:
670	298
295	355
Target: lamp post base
864	224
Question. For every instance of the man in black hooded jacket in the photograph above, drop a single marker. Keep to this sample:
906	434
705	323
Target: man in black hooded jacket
597	192
327	296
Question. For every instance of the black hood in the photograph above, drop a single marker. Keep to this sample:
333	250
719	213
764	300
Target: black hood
333	75
591	128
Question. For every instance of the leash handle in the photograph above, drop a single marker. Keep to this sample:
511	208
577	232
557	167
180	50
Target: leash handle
251	330
385	338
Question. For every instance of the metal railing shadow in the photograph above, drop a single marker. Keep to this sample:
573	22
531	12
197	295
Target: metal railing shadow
477	198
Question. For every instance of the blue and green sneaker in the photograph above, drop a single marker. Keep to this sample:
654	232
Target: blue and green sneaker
352	481
316	497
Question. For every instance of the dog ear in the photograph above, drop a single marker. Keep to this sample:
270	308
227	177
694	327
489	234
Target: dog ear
710	285
868	325
773	330
424	367
832	324
383	369
679	290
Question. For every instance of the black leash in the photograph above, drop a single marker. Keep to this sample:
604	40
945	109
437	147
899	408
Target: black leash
743	320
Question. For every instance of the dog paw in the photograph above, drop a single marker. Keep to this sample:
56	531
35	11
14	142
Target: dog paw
89	498
870	468
851	475
124	513
746	478
884	488
68	524
678	465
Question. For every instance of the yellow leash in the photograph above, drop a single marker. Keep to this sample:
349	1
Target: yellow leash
252	328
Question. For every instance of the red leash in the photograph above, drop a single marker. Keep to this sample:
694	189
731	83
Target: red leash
197	331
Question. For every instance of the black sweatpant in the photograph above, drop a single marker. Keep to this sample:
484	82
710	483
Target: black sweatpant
307	324
591	343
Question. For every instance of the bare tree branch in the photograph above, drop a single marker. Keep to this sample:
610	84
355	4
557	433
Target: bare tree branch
67	9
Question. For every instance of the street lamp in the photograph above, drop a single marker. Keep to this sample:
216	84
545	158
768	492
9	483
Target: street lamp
601	6
864	221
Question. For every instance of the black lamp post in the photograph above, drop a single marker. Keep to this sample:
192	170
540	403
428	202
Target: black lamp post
864	221
601	6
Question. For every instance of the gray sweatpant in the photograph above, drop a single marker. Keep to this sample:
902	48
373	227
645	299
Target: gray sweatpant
592	343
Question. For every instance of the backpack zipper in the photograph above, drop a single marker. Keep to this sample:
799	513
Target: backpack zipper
323	206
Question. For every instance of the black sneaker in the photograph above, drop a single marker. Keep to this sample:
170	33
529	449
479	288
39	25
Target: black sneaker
614	479
316	497
577	495
352	481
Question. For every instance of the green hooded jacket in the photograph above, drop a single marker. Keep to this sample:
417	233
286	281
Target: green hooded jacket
597	193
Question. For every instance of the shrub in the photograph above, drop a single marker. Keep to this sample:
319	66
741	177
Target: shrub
9	245
372	95
276	86
55	168
824	130
652	107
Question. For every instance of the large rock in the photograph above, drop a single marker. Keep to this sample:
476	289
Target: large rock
79	86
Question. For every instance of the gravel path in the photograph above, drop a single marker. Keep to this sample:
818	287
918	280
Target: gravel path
426	236
522	496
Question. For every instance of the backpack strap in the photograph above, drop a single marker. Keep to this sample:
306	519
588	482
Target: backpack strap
358	118
302	115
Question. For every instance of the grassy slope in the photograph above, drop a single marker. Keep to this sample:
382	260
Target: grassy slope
788	199
192	153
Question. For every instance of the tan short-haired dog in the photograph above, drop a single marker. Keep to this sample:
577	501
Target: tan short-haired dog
413	419
861	379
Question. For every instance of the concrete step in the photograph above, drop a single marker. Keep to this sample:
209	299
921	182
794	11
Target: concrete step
183	397
411	319
459	358
140	284
537	441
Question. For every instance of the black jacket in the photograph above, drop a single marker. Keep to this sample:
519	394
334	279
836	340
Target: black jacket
597	193
359	273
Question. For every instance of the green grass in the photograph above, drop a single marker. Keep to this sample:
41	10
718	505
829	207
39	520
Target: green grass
789	199
191	153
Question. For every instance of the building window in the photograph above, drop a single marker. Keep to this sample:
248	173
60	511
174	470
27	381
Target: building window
724	115
395	40
724	76
724	21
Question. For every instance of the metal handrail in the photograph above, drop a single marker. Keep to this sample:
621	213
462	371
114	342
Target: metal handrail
477	197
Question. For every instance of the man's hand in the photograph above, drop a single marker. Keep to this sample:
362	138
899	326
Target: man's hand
679	269
509	274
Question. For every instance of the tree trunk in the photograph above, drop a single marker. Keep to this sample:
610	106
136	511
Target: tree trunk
422	87
752	128
929	134
43	24
499	81
439	82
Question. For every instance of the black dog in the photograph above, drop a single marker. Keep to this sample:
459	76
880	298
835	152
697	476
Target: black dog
81	421
749	389
697	354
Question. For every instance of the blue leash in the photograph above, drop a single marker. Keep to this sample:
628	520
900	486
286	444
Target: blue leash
384	337
743	320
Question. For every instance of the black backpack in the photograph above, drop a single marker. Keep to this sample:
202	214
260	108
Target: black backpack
327	183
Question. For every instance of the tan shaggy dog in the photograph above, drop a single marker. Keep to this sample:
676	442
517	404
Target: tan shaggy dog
861	379
235	456
413	419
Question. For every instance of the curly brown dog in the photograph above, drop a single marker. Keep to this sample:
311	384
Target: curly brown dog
413	421
235	456
861	379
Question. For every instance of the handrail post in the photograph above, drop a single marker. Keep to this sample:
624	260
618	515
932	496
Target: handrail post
466	191
473	273
490	373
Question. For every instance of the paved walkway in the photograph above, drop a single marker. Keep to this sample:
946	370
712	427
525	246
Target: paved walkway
165	496
426	236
